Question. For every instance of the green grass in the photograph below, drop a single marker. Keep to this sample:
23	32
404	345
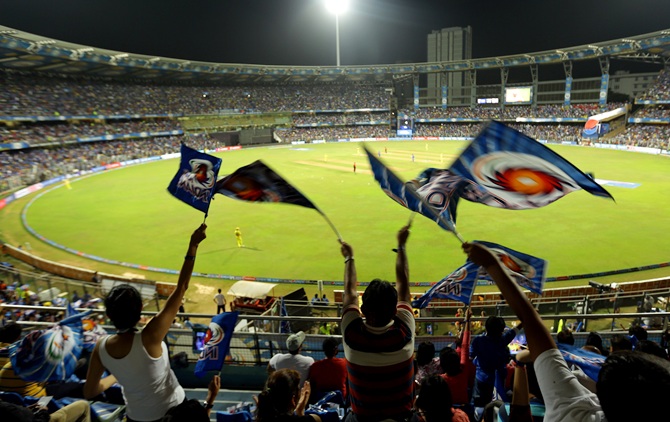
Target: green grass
127	215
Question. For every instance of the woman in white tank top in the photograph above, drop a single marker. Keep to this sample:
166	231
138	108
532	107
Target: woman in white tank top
139	360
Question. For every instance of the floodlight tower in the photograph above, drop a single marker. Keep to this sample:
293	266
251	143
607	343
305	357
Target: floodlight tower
337	7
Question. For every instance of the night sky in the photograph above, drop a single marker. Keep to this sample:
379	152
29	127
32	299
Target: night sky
302	32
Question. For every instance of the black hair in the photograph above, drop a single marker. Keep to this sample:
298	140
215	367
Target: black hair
450	362
425	353
638	331
651	347
629	378
379	302
10	333
187	411
275	399
565	337
620	342
435	400
594	339
495	326
330	347
123	306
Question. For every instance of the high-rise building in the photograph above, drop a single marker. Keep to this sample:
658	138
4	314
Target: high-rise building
449	44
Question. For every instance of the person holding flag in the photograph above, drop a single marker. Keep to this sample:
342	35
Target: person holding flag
139	360
381	344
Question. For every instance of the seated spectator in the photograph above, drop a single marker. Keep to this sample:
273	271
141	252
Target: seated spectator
620	342
282	399
329	374
9	381
625	379
638	331
78	411
434	402
140	360
651	347
594	340
426	363
565	337
293	359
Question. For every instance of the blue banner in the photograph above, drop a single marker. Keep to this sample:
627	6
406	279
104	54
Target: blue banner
527	271
195	180
406	195
217	343
458	285
588	362
518	172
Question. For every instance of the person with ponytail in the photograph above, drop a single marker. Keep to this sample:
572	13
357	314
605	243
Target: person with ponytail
139	360
282	399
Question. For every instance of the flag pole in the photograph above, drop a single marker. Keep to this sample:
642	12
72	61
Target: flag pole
332	226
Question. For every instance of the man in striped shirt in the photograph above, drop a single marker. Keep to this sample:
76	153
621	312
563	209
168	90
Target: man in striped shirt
379	350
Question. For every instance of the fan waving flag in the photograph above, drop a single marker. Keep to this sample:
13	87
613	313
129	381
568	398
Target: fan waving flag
217	343
527	271
458	285
257	182
406	195
50	354
195	180
517	171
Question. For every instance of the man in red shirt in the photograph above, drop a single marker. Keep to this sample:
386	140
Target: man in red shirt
329	374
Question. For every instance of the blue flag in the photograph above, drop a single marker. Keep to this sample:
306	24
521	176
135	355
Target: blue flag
526	270
285	325
195	180
217	343
406	195
587	361
458	285
257	182
517	172
50	354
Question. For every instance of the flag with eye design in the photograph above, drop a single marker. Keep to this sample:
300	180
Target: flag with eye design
519	172
195	180
217	343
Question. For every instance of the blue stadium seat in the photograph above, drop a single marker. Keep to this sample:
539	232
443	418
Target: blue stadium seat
242	416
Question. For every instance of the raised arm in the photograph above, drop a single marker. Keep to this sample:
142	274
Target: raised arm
465	338
158	327
401	267
350	280
537	335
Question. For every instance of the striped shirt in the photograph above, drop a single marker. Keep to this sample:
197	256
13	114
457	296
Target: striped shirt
380	364
10	382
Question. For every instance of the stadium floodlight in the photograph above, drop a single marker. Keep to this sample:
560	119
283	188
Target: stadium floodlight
337	7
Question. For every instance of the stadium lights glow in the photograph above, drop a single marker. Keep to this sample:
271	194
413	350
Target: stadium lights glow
337	7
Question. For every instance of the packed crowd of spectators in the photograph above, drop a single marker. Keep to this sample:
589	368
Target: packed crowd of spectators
39	164
654	112
661	89
61	132
333	133
639	135
581	111
301	119
28	95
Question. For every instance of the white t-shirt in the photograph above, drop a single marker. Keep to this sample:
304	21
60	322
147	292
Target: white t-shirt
565	399
288	361
220	299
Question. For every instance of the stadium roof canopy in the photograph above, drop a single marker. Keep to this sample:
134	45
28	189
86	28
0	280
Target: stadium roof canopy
24	51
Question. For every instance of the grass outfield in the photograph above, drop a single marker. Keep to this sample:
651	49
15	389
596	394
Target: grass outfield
127	215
